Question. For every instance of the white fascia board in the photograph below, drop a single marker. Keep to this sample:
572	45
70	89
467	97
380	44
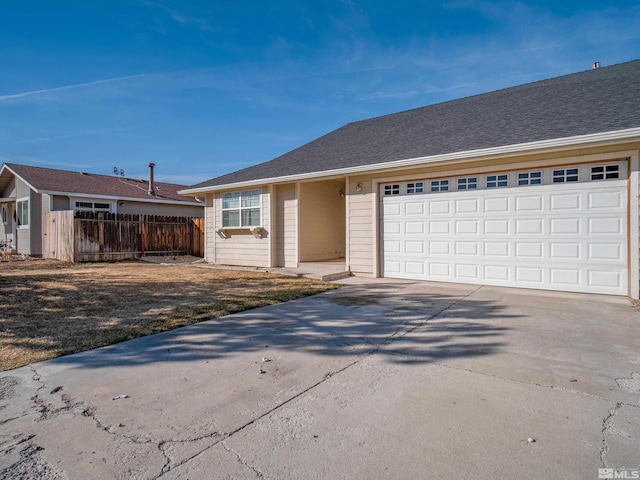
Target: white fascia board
591	140
121	199
18	176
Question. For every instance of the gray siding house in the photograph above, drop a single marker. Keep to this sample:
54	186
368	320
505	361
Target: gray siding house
27	193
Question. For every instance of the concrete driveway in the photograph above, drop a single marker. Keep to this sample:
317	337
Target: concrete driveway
381	379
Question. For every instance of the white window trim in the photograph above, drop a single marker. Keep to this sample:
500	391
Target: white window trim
18	215
93	202
5	215
253	228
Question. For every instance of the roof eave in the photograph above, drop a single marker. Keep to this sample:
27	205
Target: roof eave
590	140
120	198
26	182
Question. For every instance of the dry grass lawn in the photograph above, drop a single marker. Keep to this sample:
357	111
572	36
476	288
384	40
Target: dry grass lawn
49	309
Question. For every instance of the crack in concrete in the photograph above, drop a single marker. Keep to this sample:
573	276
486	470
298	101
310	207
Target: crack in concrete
606	424
163	446
398	333
524	382
258	473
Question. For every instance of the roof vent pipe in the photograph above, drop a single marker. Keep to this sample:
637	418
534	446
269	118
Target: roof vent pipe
151	186
595	65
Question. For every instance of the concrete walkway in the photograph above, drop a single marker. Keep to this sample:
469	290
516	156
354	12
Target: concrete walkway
381	379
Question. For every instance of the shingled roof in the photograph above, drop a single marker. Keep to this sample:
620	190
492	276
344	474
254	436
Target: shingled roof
600	100
49	180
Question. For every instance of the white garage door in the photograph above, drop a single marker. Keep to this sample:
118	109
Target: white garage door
561	228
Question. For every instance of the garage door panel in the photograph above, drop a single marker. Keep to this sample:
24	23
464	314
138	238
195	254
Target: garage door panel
467	248
606	200
496	249
605	280
605	226
414	247
564	202
565	237
468	205
530	275
440	270
414	228
529	203
467	227
529	249
499	204
565	250
496	227
566	226
439	207
414	208
439	247
499	273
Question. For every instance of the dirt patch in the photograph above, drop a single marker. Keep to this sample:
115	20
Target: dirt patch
49	309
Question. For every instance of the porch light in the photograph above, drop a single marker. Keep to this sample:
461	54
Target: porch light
359	187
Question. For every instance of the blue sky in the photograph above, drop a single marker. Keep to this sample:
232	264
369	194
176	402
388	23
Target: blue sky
203	88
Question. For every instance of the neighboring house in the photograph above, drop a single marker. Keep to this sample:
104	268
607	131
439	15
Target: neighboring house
27	193
532	186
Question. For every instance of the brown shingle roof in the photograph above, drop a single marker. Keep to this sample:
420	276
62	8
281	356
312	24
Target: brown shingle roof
64	181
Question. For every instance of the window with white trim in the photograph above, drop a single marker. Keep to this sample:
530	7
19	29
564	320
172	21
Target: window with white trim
605	172
497	181
415	187
241	209
22	213
392	189
439	185
563	175
93	207
5	218
469	183
529	178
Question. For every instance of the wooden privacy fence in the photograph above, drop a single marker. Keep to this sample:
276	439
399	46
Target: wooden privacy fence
99	236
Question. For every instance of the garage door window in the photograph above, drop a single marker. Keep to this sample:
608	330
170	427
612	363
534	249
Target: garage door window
392	189
496	181
469	183
440	186
529	178
612	170
565	175
416	187
605	172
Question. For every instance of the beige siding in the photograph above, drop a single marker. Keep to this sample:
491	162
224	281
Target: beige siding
322	221
361	226
146	208
241	247
209	229
286	230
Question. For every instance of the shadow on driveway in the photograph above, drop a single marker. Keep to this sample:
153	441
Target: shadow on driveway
360	319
